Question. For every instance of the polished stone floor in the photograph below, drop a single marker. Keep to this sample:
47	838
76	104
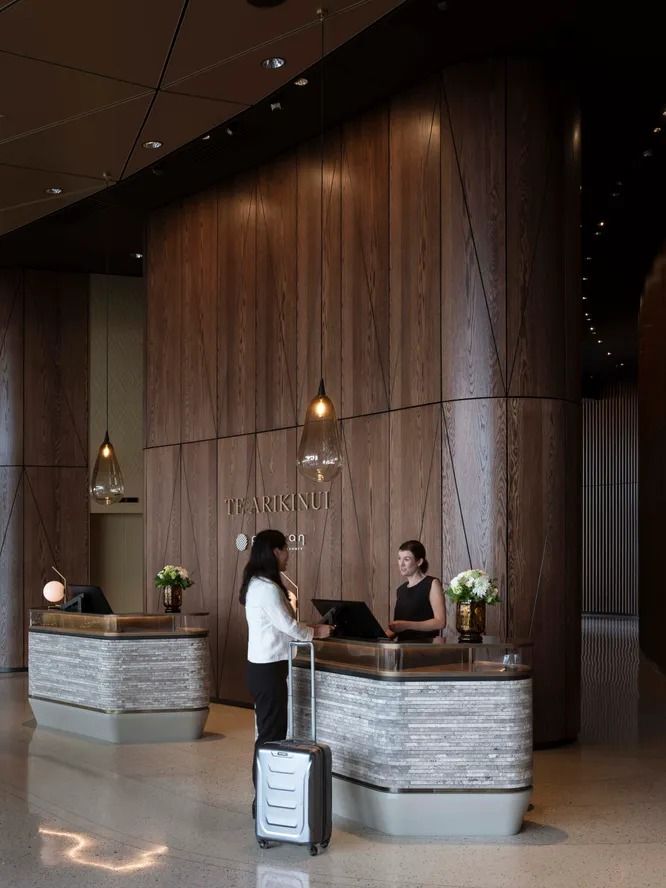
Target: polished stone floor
81	814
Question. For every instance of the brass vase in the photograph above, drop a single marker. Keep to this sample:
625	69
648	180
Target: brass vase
470	621
172	597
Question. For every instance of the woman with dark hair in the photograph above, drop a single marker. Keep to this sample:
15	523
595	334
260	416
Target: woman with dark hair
271	626
420	611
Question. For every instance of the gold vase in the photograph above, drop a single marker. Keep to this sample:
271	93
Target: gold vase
172	597
470	621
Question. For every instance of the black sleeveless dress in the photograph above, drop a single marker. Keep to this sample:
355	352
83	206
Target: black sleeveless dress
413	604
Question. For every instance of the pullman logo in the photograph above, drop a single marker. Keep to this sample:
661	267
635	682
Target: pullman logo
296	542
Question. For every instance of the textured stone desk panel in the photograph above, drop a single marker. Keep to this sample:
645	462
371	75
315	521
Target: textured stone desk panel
119	674
422	735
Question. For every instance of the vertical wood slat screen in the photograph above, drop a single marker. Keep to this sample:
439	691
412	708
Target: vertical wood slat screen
610	501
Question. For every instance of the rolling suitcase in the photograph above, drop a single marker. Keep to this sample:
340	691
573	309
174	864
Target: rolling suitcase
294	782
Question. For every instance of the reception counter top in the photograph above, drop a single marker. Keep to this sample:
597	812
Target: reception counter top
119	677
426	738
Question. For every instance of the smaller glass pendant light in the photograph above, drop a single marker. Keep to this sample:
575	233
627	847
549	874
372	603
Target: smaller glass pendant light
319	453
106	484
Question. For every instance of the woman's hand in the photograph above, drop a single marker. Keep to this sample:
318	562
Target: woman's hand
322	630
398	626
390	633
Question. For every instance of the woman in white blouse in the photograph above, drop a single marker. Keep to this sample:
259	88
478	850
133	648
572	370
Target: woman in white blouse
271	626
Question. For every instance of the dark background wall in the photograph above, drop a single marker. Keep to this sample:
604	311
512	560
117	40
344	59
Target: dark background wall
451	350
43	443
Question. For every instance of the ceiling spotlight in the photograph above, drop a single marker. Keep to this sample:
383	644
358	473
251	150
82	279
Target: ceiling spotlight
53	189
647	152
599	341
584	298
302	81
205	138
588	258
229	131
273	63
597	234
615	194
136	255
601	224
585	278
276	106
152	144
607	353
656	130
621	365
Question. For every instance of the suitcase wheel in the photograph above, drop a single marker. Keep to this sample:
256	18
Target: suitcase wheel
263	843
324	844
313	851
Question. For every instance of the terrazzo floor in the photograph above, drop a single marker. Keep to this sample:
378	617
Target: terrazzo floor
80	814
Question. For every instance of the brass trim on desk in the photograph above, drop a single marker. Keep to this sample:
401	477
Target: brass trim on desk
118	711
467	790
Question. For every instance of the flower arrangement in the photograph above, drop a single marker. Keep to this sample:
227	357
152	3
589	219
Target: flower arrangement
173	575
473	586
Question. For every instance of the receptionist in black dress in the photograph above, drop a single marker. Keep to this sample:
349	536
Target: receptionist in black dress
420	611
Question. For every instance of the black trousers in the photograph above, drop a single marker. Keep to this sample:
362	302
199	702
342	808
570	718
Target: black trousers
267	682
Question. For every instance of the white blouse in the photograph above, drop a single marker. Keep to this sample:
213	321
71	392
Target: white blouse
270	622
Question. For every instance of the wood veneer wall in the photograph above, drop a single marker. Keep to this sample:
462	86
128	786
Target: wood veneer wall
43	443
450	348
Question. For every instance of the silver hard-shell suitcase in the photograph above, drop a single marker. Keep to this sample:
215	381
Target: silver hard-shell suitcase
294	782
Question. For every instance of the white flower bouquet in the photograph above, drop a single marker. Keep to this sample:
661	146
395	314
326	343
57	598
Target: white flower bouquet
473	586
173	575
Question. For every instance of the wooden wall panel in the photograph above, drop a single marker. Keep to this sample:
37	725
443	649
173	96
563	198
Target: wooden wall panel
56	369
11	367
237	229
198	497
365	513
415	486
276	474
415	328
163	516
11	567
474	497
320	558
164	280
572	304
55	529
574	557
536	558
277	288
197	349
312	360
236	479
364	265
473	232
535	268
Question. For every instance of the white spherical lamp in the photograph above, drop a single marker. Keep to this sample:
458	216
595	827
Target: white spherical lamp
54	591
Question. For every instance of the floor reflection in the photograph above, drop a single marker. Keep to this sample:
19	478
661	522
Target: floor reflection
278	877
78	848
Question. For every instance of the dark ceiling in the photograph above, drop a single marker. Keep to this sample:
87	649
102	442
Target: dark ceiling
618	63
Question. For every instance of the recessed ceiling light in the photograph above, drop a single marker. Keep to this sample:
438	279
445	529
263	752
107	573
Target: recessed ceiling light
656	130
153	144
597	234
615	194
607	353
585	278
588	258
276	106
647	152
601	224
136	255
273	63
599	341
229	131
584	298
205	138
302	81
54	189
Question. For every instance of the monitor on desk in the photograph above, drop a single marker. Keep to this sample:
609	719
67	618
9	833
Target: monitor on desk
86	600
352	619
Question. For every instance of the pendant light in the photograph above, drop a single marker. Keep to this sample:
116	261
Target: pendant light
106	484
320	451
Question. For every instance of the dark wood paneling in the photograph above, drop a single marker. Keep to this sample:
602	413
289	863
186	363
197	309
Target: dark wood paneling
319	560
312	361
415	334
415	472
573	556
365	513
198	341
237	207
276	473
164	281
56	369
473	232
364	258
535	268
474	497
236	478
11	568
163	516
572	303
55	529
536	556
198	497
277	286
11	367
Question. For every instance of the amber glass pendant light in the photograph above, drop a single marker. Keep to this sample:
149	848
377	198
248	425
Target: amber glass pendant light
320	451
106	484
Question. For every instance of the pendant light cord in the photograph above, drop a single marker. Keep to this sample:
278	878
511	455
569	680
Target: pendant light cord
106	288
322	14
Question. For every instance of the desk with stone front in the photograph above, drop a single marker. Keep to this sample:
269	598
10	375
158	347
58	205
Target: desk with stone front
426	739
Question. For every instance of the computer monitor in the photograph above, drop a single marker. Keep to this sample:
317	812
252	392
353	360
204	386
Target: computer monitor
352	619
86	600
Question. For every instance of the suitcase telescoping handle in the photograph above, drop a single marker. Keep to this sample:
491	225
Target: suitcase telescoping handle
310	646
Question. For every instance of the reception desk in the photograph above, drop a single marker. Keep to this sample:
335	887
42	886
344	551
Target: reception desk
123	678
427	739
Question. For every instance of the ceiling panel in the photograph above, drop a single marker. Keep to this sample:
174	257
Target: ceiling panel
340	28
88	146
125	39
42	94
175	120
